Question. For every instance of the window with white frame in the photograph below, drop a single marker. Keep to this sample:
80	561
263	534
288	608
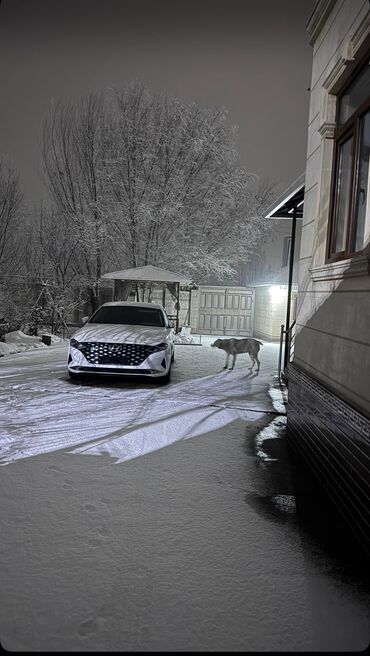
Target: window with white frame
350	199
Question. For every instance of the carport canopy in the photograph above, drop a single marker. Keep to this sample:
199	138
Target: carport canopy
150	274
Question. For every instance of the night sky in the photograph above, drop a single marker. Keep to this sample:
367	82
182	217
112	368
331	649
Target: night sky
252	57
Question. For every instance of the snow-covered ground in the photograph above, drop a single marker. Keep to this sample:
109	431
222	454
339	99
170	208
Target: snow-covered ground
176	536
46	412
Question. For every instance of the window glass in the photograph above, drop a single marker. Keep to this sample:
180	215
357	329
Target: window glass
355	95
350	213
343	194
362	191
120	314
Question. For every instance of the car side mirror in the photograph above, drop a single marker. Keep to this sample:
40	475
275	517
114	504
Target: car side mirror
85	320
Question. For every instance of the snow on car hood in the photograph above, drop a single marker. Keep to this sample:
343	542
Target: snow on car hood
107	332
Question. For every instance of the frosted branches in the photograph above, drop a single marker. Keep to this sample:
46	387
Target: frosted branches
146	179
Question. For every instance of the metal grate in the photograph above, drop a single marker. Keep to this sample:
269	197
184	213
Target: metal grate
122	354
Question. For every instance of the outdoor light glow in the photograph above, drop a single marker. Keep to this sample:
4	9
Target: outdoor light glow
278	293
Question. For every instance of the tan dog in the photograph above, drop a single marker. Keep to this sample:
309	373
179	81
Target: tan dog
234	346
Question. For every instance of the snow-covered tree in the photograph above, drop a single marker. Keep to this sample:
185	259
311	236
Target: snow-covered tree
59	249
73	153
11	244
179	198
142	179
10	206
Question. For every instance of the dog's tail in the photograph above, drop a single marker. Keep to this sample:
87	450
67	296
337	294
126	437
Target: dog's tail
258	341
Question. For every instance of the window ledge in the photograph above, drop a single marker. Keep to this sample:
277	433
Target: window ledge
357	266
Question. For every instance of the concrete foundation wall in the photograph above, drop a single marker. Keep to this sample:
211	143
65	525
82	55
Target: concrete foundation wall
333	439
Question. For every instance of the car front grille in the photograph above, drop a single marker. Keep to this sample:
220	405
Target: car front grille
118	354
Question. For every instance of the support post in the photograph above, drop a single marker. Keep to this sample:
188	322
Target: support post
290	281
177	307
280	350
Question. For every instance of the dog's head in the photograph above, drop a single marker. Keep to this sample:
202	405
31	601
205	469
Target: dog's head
217	343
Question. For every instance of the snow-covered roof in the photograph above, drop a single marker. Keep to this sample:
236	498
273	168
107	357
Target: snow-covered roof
282	206
149	273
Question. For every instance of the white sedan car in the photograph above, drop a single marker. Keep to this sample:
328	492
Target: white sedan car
127	338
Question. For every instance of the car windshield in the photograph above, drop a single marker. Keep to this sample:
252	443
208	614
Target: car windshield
139	316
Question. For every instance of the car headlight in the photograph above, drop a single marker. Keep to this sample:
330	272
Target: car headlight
75	343
162	347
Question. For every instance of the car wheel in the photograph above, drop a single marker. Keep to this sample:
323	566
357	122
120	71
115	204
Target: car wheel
173	356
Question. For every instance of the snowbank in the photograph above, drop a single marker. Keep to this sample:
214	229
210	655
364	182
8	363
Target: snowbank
184	339
7	349
17	337
18	342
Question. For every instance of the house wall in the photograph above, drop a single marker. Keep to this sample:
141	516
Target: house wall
329	400
333	302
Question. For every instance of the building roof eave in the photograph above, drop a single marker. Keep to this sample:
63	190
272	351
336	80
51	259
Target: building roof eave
283	206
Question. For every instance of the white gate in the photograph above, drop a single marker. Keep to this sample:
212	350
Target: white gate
225	311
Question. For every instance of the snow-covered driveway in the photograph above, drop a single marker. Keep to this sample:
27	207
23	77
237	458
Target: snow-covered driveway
43	411
194	547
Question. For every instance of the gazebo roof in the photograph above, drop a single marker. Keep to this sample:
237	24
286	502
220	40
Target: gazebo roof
147	273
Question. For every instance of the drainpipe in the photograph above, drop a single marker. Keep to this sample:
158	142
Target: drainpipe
290	281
